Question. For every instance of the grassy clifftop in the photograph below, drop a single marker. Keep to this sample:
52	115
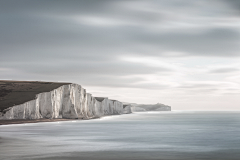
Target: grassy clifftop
18	92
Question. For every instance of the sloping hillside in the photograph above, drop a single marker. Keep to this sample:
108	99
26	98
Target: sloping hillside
17	92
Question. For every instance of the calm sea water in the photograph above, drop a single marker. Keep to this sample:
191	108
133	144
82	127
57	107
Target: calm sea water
153	135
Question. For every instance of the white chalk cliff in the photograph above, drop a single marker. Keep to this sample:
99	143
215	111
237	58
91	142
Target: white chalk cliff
68	101
127	109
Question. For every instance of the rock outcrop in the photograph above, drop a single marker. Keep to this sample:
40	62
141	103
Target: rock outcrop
67	101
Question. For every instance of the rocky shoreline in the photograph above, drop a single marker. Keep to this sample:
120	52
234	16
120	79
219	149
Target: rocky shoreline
22	121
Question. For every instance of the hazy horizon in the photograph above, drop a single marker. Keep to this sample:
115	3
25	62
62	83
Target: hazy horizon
181	53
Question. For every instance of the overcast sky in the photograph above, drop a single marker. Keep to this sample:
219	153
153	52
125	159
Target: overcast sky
183	53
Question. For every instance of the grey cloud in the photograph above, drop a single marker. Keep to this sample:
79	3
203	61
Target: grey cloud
224	70
44	39
31	26
84	68
214	42
235	4
94	73
95	77
198	85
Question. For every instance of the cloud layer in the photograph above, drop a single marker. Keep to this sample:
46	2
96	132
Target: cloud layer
173	52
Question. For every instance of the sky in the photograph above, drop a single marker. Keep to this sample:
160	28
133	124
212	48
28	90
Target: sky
181	53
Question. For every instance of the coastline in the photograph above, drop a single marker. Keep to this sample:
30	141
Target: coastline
22	121
49	100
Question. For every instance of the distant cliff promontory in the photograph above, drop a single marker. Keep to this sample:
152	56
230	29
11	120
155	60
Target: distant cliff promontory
149	107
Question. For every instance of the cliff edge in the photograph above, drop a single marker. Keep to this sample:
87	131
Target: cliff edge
48	100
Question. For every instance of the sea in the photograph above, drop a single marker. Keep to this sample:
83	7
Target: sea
175	135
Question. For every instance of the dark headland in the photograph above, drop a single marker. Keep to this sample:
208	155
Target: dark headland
17	92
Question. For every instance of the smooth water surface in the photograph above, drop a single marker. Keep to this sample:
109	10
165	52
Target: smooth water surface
149	135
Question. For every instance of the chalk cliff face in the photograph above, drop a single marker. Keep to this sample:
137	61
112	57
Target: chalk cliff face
68	101
127	109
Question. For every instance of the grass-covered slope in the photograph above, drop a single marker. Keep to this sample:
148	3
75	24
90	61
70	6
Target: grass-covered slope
18	92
